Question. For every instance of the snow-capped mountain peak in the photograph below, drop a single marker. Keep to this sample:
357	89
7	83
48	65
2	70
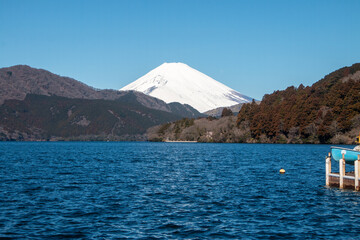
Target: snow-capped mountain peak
178	82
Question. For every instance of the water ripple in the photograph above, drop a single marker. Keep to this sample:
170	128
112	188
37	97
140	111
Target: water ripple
170	191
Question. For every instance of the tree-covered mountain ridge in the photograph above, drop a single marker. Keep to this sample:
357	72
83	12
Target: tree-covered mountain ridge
326	112
54	118
37	105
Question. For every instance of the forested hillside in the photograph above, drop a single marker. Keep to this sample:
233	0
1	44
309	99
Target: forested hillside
44	118
326	112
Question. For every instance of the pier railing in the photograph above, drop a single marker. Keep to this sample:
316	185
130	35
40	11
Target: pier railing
343	179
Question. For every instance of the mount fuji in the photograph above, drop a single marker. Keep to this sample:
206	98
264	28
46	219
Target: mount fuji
178	82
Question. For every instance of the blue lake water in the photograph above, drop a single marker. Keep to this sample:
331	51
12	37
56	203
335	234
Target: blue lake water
171	191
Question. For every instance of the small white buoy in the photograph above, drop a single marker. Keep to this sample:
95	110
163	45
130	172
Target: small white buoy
282	171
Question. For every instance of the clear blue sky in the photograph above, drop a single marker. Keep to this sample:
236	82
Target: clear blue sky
254	47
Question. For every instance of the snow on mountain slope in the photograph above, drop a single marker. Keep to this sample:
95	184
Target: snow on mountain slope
177	82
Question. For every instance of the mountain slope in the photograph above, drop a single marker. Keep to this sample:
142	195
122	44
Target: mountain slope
217	111
326	112
177	82
18	81
180	110
40	117
201	130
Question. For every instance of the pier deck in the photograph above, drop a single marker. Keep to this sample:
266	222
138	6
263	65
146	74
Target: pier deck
349	180
342	179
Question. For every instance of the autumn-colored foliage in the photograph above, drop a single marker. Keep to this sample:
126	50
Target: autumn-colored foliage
226	112
307	114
